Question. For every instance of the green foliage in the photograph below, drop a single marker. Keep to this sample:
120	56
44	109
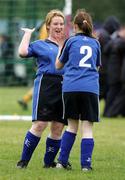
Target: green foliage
28	8
101	9
37	9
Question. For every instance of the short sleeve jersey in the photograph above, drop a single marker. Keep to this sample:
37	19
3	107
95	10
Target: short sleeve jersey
82	57
45	53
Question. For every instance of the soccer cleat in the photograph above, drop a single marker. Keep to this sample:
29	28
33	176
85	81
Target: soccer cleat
23	104
62	166
86	169
53	165
22	164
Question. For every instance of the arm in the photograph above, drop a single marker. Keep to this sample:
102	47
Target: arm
23	47
62	56
58	64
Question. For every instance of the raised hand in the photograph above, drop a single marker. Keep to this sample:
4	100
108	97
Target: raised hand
28	30
23	47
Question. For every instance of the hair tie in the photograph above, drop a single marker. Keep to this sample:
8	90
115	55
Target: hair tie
84	21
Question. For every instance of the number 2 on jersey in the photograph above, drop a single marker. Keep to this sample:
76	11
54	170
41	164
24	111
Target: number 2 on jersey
87	51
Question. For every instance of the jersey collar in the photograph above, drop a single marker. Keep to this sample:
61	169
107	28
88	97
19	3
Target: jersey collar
49	41
81	34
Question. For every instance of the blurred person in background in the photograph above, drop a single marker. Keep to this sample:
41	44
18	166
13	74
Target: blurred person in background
47	94
42	32
110	26
27	97
6	55
115	101
81	57
106	33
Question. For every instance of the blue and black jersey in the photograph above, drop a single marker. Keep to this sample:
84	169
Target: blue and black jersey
45	53
82	57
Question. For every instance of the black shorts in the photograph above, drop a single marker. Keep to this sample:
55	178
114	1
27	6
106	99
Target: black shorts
47	99
81	105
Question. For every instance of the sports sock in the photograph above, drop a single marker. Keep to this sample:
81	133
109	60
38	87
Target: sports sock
87	146
67	142
30	143
52	148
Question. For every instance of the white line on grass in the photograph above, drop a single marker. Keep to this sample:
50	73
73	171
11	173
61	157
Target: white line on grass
15	117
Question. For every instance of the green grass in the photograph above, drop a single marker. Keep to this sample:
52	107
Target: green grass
108	157
8	101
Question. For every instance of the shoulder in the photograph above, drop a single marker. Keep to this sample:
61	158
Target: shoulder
70	39
96	41
36	42
40	44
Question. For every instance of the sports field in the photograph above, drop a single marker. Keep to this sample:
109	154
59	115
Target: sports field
108	156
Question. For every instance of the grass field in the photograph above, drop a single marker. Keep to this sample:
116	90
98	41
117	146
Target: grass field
108	156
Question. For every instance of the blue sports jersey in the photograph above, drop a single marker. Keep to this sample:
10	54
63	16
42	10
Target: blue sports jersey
45	53
82	57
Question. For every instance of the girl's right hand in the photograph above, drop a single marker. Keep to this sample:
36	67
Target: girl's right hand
28	30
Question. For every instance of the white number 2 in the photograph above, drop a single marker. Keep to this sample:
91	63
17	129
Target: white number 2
88	54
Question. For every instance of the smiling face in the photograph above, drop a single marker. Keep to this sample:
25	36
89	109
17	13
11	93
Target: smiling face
56	28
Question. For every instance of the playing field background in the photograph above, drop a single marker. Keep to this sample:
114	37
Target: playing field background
16	77
108	156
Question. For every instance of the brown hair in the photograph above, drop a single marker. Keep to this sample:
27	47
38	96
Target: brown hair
84	22
51	14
